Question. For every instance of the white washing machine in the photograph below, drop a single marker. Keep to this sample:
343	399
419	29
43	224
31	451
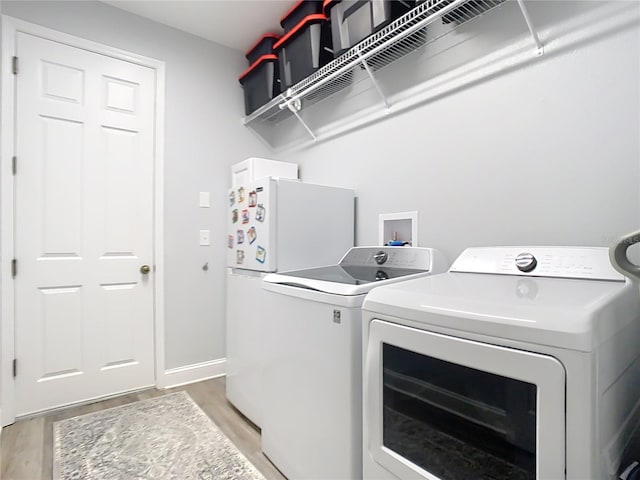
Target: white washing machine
519	363
312	405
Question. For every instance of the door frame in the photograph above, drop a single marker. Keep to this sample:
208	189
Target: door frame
10	28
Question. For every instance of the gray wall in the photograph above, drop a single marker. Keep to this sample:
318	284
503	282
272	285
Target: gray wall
547	154
203	137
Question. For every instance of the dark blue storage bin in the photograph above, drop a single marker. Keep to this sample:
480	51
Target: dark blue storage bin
298	12
304	49
260	82
264	46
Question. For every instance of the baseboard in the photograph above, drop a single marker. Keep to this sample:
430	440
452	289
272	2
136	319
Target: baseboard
197	372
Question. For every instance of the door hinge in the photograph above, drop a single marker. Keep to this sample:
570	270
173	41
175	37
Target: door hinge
15	367
14	65
14	165
14	268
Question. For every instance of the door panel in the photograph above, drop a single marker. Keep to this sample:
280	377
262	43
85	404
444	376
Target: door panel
61	324
62	82
60	172
120	149
119	302
84	225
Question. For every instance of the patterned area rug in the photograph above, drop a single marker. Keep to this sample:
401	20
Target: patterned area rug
167	437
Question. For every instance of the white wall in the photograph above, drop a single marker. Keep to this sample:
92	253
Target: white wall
546	154
203	137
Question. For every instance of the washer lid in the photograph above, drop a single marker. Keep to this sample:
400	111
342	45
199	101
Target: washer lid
347	280
567	313
353	275
363	268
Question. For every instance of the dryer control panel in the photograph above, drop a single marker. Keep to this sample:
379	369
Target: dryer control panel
561	262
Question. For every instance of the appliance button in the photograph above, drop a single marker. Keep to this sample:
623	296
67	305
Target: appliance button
380	257
526	262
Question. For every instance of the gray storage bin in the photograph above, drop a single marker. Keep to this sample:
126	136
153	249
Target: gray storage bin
354	20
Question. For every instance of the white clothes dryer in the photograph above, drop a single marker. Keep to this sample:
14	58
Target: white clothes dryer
519	363
312	399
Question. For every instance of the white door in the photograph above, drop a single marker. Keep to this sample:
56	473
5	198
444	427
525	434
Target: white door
84	225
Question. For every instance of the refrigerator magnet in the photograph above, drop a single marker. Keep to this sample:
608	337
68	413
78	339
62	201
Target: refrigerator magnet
241	195
253	198
245	216
260	213
230	241
261	254
240	257
232	198
252	234
234	215
240	237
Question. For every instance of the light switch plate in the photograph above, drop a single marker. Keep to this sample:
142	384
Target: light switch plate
205	238
205	199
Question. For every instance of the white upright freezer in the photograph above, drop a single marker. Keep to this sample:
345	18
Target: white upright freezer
274	225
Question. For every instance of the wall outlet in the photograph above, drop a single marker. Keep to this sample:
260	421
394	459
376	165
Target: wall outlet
205	238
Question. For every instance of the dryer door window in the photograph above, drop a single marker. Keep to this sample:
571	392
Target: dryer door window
457	422
447	408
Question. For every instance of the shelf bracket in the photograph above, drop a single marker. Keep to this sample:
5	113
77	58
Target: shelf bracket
532	30
295	105
373	79
306	127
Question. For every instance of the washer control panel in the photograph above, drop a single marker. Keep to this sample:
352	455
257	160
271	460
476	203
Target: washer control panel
398	257
562	262
381	257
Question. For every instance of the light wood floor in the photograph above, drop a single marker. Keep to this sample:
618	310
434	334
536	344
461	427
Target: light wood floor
27	445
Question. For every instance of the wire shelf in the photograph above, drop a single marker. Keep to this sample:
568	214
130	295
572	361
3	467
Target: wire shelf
403	36
423	25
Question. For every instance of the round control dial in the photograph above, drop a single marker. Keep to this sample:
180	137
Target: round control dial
380	257
526	262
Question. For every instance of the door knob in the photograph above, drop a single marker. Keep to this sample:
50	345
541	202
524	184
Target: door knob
144	269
